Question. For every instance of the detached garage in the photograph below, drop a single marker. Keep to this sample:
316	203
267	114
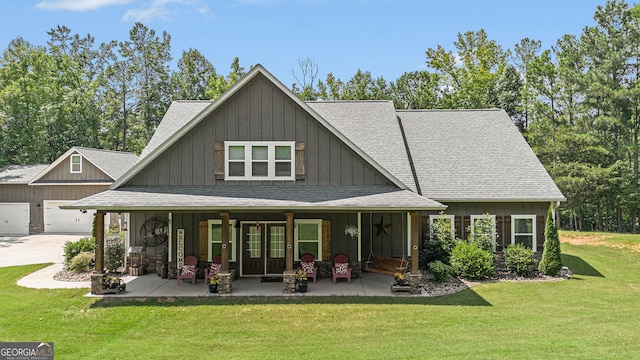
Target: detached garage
14	218
57	220
30	195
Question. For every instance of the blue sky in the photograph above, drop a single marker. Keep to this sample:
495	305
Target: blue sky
385	37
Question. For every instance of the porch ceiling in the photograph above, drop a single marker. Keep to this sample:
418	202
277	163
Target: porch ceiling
247	198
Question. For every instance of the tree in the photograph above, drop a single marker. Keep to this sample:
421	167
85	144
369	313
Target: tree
218	84
415	90
26	87
469	75
149	57
551	262
523	54
304	86
191	81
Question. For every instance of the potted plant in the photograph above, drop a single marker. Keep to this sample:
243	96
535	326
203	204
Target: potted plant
214	281
301	280
113	284
400	279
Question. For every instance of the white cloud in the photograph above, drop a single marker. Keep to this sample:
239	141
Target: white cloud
78	5
163	9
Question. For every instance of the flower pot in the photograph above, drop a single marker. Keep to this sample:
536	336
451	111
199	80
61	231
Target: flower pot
302	287
213	288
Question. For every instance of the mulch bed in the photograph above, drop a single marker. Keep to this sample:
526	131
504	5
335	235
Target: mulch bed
65	275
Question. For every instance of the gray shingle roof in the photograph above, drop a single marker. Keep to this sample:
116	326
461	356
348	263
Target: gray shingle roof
373	127
113	163
178	114
474	155
239	198
20	174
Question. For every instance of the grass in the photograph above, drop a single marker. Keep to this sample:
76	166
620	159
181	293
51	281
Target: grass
594	315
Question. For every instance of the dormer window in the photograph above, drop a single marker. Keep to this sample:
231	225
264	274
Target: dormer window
260	160
76	164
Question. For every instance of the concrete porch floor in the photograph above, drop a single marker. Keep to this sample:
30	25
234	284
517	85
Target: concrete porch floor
150	285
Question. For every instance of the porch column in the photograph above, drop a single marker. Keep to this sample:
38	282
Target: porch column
99	216
289	241
96	277
415	258
225	241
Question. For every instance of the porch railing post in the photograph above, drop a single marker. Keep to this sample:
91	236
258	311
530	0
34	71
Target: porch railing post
289	241
225	241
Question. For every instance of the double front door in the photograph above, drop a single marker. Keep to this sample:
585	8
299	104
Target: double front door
263	248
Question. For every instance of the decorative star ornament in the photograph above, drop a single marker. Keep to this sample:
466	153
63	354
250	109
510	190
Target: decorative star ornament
382	227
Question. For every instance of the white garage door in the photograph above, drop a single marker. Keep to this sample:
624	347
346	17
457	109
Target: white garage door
57	220
14	218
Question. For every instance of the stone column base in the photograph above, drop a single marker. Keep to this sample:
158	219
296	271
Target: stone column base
225	283
96	284
415	281
289	282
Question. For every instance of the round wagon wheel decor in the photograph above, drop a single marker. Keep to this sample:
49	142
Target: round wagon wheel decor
154	232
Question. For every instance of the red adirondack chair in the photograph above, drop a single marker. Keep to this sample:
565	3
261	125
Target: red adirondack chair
308	265
341	268
188	270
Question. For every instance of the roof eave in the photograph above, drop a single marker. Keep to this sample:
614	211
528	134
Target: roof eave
251	208
497	200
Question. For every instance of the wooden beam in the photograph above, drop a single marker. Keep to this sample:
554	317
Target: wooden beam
289	241
415	257
225	241
99	220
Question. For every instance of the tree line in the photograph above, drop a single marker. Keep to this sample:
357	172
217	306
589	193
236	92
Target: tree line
577	103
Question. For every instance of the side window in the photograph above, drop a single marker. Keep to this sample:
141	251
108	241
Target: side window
76	164
484	226
308	238
441	226
523	230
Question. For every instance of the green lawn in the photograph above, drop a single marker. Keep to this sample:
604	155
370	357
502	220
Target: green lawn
595	315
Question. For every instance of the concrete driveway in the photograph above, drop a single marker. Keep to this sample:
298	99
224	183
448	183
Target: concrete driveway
34	249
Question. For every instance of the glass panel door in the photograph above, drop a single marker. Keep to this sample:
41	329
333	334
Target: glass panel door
253	240
276	262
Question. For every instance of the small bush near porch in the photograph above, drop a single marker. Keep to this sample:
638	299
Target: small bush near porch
590	316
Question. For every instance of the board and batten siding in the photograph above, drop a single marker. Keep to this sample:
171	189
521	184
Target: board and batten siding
62	173
503	212
259	112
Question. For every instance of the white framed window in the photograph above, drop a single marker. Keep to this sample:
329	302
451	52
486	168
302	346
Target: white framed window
260	160
215	239
76	164
308	238
486	225
442	218
523	230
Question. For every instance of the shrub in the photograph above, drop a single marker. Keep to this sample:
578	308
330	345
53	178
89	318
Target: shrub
471	261
551	262
114	251
519	259
73	248
440	270
81	262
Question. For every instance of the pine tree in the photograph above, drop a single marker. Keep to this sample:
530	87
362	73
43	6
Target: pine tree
551	262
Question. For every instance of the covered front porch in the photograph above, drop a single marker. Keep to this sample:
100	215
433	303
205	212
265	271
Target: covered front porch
291	248
152	286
